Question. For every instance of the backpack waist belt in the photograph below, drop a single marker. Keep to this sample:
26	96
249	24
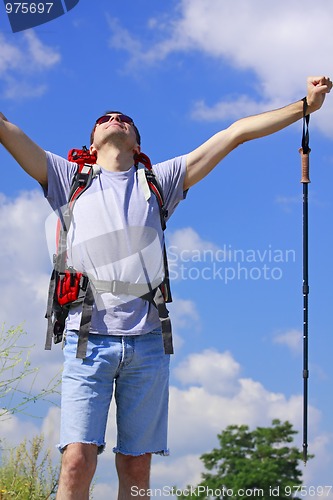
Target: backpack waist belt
117	287
146	291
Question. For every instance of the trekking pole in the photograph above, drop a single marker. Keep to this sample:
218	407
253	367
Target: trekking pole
305	180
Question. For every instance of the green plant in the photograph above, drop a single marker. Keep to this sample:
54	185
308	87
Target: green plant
27	473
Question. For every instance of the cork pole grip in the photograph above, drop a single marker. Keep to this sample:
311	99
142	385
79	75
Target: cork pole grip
305	166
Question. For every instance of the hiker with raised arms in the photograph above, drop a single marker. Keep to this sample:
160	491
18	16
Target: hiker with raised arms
113	239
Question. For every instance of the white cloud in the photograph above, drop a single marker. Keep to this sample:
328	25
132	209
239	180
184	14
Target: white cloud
42	56
21	62
24	262
231	109
184	314
255	36
10	55
179	471
187	241
24	276
51	430
15	89
14	430
186	249
219	379
276	45
291	338
197	416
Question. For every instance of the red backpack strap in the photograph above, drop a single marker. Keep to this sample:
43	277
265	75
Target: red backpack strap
82	156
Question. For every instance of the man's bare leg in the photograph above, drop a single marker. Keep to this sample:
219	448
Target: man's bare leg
133	472
77	470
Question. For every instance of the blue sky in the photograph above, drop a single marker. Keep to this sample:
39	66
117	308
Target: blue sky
183	71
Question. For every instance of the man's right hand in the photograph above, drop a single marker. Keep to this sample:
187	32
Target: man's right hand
317	88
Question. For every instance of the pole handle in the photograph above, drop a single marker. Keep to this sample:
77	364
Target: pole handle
305	166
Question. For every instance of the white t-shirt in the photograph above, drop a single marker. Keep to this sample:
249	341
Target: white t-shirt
116	234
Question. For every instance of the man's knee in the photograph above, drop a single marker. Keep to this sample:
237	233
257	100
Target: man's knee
79	463
137	468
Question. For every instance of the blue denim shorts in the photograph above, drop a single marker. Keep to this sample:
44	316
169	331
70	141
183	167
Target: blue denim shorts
133	369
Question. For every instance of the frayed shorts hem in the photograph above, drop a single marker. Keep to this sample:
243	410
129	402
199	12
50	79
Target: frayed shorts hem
164	453
101	447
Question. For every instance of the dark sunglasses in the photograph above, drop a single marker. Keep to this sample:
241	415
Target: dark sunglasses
122	118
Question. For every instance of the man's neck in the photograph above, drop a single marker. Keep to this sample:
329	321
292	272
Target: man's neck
115	160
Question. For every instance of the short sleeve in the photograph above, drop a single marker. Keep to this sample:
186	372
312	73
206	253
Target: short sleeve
171	176
60	176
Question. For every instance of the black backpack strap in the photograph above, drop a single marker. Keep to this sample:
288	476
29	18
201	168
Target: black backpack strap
49	311
56	314
85	324
165	321
155	187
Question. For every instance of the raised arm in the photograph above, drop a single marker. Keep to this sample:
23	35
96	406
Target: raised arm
203	159
27	153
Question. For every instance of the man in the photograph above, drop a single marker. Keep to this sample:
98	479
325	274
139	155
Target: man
125	346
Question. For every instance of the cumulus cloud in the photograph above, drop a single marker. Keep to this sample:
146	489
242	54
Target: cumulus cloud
187	240
14	430
184	315
41	55
219	379
24	276
231	109
186	245
21	62
10	56
275	45
198	414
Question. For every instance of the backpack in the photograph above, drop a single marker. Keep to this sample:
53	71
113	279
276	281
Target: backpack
69	287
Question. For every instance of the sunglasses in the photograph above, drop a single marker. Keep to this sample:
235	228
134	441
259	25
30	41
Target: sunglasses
122	118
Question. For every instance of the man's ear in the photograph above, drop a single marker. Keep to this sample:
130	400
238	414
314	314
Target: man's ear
136	150
92	150
136	153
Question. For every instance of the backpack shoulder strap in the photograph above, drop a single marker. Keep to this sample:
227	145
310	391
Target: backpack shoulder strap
150	184
81	181
87	169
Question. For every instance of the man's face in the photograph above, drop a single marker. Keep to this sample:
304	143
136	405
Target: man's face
115	126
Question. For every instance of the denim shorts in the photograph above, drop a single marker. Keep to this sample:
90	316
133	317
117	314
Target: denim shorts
135	370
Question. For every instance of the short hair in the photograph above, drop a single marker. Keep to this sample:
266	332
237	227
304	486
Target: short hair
137	133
